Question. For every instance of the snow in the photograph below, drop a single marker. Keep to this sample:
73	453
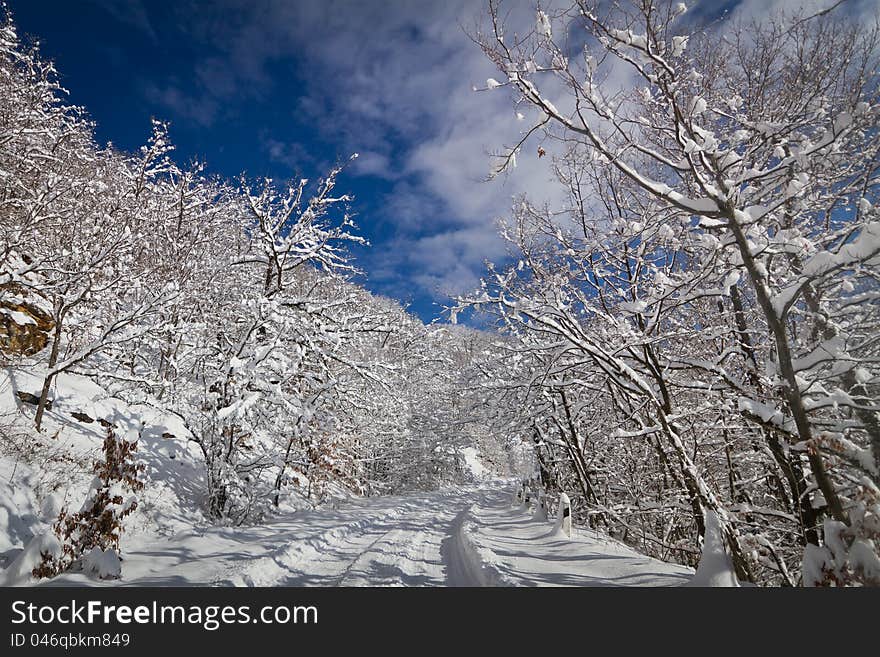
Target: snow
312	377
715	568
679	44
831	560
864	248
19	571
813	564
708	222
540	513
104	564
51	507
542	25
18	317
473	463
32	494
19	519
562	526
862	556
766	412
468	536
518	551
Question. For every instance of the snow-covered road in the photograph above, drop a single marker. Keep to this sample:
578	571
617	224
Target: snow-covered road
465	537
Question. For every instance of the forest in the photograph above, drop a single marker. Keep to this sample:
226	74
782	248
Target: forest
691	335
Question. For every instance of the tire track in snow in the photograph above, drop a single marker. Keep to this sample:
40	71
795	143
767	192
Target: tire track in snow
465	564
411	540
304	561
403	545
373	567
410	553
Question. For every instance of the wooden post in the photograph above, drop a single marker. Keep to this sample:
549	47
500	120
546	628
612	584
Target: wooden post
563	518
540	507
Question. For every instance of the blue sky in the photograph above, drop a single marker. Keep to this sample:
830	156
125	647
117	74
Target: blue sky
284	88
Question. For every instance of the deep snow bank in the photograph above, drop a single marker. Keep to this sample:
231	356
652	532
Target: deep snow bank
520	550
40	473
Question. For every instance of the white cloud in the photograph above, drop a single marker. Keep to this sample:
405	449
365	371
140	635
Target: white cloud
201	110
393	81
292	155
763	8
129	12
443	264
371	163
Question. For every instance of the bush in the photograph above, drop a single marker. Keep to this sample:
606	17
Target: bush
98	524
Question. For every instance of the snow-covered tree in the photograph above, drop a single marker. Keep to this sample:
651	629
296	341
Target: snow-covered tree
229	303
713	271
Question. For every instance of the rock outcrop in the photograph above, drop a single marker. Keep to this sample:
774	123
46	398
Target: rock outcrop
24	325
25	316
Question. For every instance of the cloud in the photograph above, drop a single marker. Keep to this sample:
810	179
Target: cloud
294	156
378	165
129	12
201	110
762	8
441	265
449	263
392	81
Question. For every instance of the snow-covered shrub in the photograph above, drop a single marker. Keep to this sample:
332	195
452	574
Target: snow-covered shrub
105	564
42	550
98	524
849	556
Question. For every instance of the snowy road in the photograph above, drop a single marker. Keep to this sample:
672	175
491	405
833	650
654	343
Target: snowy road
467	537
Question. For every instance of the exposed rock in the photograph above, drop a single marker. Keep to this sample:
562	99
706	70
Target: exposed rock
82	417
30	398
25	321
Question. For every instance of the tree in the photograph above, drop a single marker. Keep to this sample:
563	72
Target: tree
755	153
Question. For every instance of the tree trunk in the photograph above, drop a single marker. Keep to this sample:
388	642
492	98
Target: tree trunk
789	464
276	499
47	382
702	496
791	391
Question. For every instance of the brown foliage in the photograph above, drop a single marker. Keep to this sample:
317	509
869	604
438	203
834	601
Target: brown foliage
99	522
